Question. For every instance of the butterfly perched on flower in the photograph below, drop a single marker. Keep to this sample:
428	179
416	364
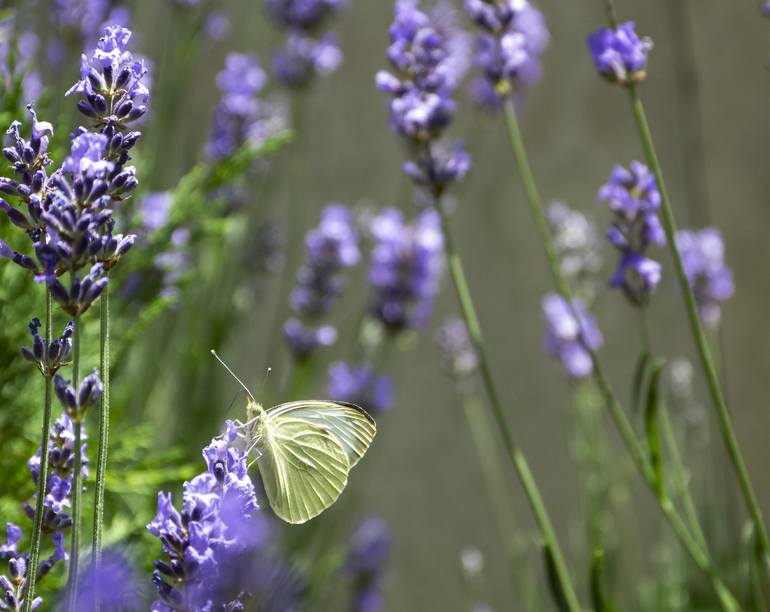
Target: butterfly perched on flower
304	450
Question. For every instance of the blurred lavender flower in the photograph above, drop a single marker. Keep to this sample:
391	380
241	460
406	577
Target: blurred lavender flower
303	56
577	247
633	197
330	248
423	55
360	385
367	560
88	17
113	582
566	340
407	261
241	116
458	356
619	55
154	209
210	529
19	79
217	25
510	46
48	359
703	257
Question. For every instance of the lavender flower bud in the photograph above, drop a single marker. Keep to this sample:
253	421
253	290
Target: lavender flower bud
619	55
568	339
360	385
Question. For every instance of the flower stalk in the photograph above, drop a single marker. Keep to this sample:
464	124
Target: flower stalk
77	480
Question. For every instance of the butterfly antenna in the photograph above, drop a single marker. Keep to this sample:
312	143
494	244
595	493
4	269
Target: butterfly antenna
240	382
264	380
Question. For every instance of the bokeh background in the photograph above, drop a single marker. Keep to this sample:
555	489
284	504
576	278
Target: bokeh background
422	473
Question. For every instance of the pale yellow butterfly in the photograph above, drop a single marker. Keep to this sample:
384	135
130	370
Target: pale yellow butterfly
304	450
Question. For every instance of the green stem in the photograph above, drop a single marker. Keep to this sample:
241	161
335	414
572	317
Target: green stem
104	432
37	529
77	480
704	353
514	452
635	449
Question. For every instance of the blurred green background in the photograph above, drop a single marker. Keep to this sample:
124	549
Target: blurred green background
423	474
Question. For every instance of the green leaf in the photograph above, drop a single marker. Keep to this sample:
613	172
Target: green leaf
640	373
651	414
554	586
599	599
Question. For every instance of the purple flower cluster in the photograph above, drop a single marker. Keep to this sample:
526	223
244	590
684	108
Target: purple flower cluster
459	358
568	339
48	359
367	560
619	55
12	585
407	262
703	257
330	248
88	17
76	402
241	116
304	55
360	385
513	38
632	195
61	462
212	528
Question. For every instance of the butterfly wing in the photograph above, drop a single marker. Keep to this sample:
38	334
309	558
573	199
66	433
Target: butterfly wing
303	466
351	425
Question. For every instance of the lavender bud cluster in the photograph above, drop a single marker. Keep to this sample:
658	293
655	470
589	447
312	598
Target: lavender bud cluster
619	55
360	384
632	195
568	339
367	560
48	359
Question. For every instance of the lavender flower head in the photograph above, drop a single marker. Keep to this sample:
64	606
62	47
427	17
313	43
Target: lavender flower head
241	116
510	46
360	385
407	262
330	248
632	195
111	83
367	560
207	532
577	246
77	402
703	254
567	340
48	359
619	55
302	14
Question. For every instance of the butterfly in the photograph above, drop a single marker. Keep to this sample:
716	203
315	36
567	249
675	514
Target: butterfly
304	450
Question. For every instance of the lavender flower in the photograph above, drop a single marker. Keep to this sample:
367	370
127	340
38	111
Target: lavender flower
619	55
61	462
458	356
567	340
368	557
360	385
241	116
513	38
208	531
331	247
110	85
113	582
425	73
77	402
304	54
407	261
48	359
702	253
633	197
577	246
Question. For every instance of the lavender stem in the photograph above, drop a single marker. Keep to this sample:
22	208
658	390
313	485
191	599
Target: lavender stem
37	529
77	480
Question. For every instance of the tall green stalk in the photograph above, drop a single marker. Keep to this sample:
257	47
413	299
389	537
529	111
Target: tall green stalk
77	479
514	452
695	550
104	430
696	328
37	528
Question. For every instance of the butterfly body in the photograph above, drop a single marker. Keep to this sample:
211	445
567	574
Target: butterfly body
305	451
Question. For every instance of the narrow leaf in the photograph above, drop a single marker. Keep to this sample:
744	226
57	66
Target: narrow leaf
651	414
640	373
599	599
554	586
